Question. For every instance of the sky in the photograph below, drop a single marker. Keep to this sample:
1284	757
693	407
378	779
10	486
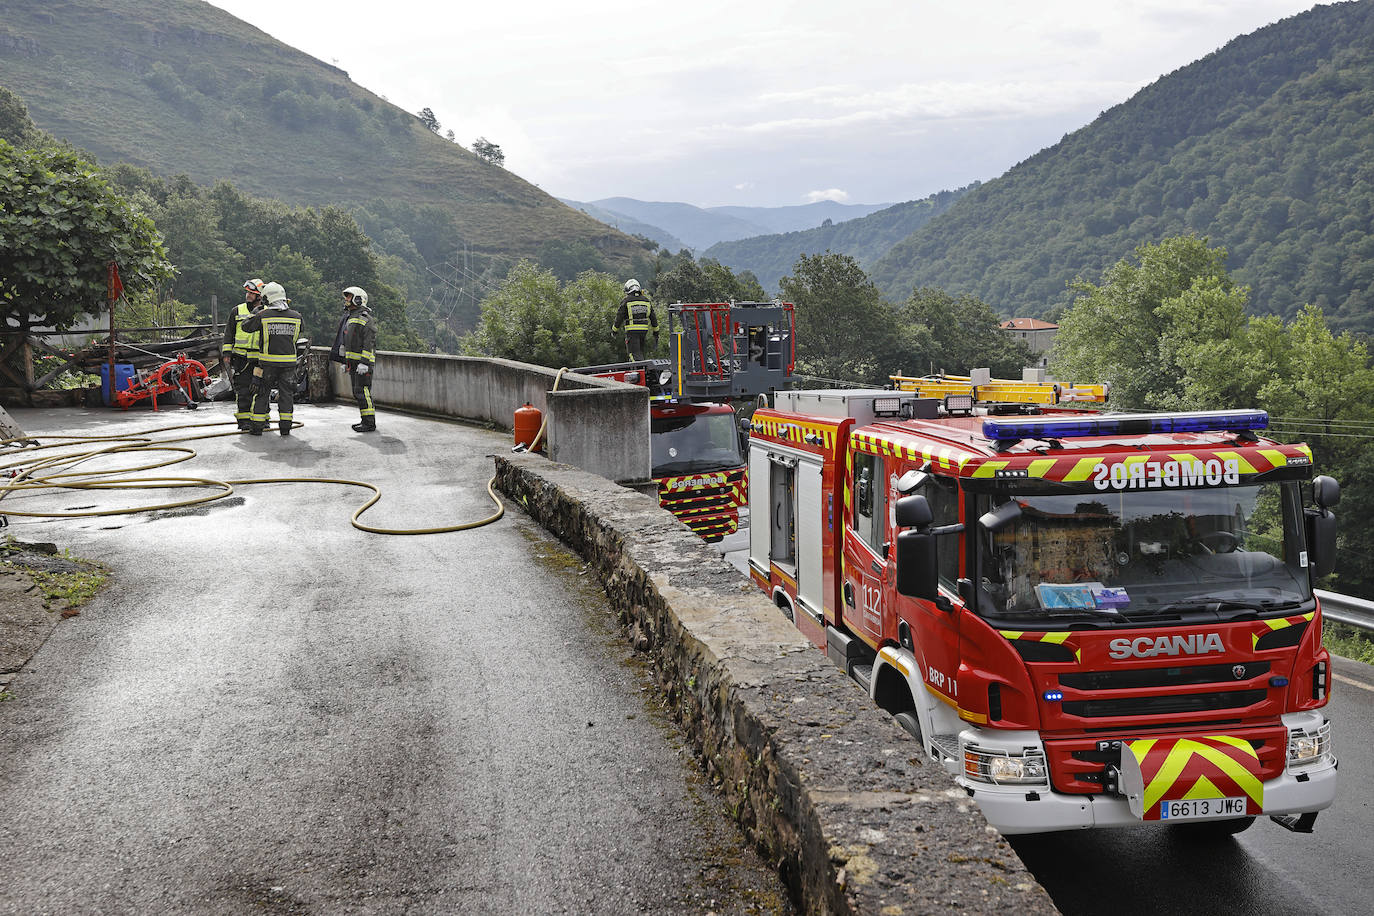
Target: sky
759	102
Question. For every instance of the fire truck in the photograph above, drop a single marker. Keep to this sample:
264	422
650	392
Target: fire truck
1091	619
722	353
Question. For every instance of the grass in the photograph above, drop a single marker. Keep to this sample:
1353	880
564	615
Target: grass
1349	642
74	588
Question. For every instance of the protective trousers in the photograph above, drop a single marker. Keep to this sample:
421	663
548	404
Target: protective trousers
281	376
634	342
362	393
241	375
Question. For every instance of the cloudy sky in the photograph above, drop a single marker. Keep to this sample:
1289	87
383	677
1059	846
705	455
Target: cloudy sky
760	102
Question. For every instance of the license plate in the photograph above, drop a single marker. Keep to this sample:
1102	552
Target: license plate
1189	809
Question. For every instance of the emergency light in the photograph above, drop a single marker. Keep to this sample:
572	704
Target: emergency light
1125	424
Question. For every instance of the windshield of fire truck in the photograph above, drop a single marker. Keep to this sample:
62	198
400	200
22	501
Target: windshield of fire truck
694	442
1146	555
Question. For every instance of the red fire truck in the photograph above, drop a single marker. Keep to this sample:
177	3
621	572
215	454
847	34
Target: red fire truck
1090	619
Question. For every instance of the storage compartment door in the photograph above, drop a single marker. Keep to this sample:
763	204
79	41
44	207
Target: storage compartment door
810	536
760	492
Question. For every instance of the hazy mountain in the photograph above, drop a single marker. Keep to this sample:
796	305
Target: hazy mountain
865	239
182	87
699	228
1265	147
629	225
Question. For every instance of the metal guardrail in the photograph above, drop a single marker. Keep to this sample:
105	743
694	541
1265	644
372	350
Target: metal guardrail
1355	612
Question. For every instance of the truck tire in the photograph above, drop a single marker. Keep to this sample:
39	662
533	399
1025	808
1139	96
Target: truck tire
1207	831
908	721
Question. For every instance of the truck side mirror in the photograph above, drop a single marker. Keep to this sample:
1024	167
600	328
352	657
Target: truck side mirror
1002	516
913	512
1326	492
917	572
1321	541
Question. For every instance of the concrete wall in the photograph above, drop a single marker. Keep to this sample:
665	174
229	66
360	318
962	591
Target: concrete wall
594	424
824	783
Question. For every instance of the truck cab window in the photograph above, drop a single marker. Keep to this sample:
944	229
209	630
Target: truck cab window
943	496
870	491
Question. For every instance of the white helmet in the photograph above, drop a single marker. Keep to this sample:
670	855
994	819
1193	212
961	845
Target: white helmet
253	286
274	293
359	296
631	286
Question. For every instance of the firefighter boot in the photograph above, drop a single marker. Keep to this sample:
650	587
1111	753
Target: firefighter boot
366	426
284	427
254	429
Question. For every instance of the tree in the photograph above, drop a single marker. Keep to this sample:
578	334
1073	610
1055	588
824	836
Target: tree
1113	332
845	331
964	334
61	225
488	151
15	124
450	136
532	319
428	119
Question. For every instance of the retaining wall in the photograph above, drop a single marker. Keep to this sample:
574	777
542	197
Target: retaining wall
825	784
595	424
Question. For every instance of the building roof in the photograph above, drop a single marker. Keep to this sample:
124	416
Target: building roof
1028	324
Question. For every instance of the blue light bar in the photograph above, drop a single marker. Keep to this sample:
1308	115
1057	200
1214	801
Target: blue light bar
1054	696
1129	424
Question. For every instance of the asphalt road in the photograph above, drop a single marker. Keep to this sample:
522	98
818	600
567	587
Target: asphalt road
269	711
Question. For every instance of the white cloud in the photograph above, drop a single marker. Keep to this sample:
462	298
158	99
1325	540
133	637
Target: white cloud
834	194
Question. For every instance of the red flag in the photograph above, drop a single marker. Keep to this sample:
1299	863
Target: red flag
116	286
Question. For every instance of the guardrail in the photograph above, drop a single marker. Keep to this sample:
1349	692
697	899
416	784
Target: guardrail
1355	612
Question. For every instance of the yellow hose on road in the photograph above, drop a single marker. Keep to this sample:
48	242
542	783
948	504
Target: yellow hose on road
26	474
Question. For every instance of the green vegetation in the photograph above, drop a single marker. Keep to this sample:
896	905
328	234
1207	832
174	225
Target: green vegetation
1348	642
72	588
1169	331
62	225
1262	147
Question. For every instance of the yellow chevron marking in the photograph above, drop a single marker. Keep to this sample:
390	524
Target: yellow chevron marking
1244	466
1040	467
990	468
1082	470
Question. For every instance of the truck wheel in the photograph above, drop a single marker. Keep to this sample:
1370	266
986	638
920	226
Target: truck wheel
908	721
1206	831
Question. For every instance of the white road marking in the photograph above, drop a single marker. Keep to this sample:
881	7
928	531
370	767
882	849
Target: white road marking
1352	682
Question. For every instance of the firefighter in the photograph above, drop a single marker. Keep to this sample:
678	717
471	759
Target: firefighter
280	327
354	344
238	352
637	316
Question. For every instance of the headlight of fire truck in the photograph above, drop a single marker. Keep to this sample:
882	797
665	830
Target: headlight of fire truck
1005	768
1308	746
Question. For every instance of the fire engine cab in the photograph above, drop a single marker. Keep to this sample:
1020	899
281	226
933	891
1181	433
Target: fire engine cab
1090	619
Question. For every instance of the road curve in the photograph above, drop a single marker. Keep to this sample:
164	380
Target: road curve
269	711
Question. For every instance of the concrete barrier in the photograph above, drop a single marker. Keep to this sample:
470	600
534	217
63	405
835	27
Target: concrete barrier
595	424
824	783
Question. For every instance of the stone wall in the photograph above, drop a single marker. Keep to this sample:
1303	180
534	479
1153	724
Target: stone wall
824	783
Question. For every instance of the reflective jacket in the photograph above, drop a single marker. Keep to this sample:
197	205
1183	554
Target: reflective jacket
636	313
236	340
359	338
281	327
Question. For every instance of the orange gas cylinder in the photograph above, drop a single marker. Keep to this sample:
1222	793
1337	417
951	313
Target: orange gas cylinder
527	422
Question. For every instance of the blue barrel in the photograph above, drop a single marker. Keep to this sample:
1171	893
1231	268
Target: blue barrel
123	375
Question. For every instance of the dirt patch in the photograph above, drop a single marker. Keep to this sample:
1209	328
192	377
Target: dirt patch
38	589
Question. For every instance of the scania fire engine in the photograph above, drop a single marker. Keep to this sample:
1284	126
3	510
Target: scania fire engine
1091	619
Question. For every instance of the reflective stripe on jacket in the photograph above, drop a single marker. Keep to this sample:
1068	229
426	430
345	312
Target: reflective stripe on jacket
236	340
281	328
360	338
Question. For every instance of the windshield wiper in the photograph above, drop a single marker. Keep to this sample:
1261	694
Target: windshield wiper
1224	608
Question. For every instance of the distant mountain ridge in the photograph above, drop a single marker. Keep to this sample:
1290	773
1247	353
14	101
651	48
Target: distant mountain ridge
866	239
182	87
699	228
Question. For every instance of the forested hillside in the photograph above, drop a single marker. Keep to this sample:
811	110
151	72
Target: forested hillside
181	87
866	239
1265	147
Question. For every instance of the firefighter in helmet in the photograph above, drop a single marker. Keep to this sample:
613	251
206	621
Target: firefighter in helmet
354	346
279	327
637	317
238	351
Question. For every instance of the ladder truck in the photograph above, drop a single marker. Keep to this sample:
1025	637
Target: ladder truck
722	353
1090	619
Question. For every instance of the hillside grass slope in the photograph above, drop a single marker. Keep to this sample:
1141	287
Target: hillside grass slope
182	87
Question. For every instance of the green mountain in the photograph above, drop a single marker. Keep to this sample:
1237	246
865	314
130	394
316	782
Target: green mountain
629	225
182	87
866	239
1265	146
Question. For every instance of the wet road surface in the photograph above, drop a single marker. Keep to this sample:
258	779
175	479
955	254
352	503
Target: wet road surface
269	711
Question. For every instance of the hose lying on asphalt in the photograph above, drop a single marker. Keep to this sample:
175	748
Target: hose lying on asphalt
31	471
